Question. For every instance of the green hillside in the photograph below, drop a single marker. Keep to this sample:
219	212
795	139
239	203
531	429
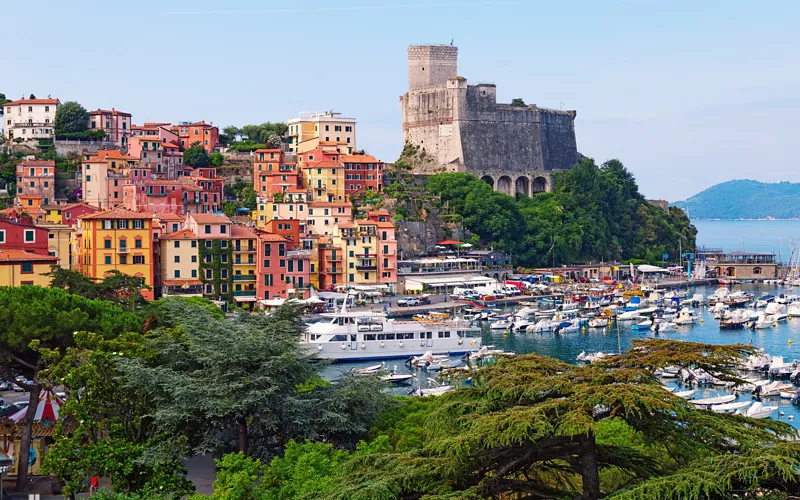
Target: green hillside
745	199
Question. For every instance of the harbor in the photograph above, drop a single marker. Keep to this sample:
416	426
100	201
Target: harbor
779	339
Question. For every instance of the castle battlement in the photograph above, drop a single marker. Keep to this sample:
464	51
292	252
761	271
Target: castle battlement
462	127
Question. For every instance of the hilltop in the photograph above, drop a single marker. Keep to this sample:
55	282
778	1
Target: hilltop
745	199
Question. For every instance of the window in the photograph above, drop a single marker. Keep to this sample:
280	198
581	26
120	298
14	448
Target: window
123	259
208	243
122	224
138	259
107	244
223	273
137	243
177	273
223	258
177	244
194	273
208	274
194	243
177	259
107	224
108	260
208	230
223	229
27	267
138	224
30	235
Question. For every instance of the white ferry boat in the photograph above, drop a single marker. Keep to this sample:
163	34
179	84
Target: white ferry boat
356	336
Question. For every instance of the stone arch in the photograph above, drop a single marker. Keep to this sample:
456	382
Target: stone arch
488	180
522	186
504	185
731	271
539	185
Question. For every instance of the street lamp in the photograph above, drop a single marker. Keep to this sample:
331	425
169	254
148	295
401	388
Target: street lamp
5	464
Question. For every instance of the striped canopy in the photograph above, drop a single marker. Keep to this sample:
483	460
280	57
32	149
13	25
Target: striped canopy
46	410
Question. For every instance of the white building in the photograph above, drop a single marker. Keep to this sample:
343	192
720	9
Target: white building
29	118
312	130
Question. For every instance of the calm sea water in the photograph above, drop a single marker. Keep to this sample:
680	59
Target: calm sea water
566	347
756	235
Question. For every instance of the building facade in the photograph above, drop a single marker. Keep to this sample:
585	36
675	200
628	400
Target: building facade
310	130
116	124
36	182
29	119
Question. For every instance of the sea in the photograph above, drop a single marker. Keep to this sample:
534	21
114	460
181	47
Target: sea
755	235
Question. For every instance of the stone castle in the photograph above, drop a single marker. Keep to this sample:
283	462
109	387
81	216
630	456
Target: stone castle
462	128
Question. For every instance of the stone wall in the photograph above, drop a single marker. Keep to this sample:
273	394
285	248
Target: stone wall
431	65
78	147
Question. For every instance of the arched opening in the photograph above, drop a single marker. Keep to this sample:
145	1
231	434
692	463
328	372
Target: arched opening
488	180
539	185
522	186
731	271
756	270
504	185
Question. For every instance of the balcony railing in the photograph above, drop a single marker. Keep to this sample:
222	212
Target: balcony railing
366	255
245	263
371	267
245	293
244	249
244	277
333	271
122	250
298	254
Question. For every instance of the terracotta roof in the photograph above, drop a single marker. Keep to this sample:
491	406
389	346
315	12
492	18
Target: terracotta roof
180	282
323	164
18	255
112	111
180	235
79	204
359	159
385	224
242	232
271	237
109	154
382	211
38	163
367	223
117	213
346	225
170	217
210	219
32	101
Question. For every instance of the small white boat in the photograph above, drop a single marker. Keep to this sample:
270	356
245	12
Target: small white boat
685	394
670	372
370	370
629	316
730	407
718	400
598	323
445	364
642	325
397	378
543	325
761	323
685	316
759	410
771	389
500	325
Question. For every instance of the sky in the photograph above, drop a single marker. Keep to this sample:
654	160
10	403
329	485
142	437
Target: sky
685	93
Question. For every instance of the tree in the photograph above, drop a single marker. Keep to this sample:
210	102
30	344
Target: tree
115	287
3	100
217	159
35	321
231	132
535	427
32	96
196	156
518	102
71	118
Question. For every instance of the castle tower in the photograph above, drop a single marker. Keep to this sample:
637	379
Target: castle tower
430	65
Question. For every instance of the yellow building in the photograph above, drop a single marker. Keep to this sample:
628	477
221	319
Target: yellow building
306	132
310	243
324	180
59	243
23	267
359	241
244	243
116	240
52	214
180	264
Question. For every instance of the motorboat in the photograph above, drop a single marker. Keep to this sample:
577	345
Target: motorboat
695	376
521	324
757	361
778	366
543	325
765	299
425	359
697	299
771	389
730	407
790	394
397	378
370	370
643	325
432	391
718	310
670	372
592	356
598	323
445	364
567	326
761	323
353	336
628	316
717	400
685	316
500	325
663	326
718	295
685	394
793	310
734	320
759	410
737	299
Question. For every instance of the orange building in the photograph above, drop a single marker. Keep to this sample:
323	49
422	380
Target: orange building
204	133
272	173
36	183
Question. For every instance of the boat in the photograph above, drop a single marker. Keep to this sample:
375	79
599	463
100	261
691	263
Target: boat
771	389
730	407
765	299
718	310
734	320
425	359
598	323
354	336
670	372
685	394
793	310
697	299
644	325
397	378
759	410
762	322
789	394
370	370
543	325
718	295
592	356
445	364
628	316
663	326
685	316
718	400
500	325
432	391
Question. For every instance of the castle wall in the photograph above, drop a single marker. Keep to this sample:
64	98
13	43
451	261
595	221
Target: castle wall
430	65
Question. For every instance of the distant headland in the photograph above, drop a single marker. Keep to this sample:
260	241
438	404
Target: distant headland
745	199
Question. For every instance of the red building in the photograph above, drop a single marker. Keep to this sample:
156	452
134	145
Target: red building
272	174
362	172
17	234
271	266
206	134
71	212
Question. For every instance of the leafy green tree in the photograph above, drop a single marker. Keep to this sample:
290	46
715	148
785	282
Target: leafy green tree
71	118
110	432
518	102
196	156
230	133
217	159
36	326
116	287
3	100
535	427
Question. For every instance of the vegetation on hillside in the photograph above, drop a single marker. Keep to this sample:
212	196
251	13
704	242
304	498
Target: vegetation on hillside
745	199
71	118
252	137
595	213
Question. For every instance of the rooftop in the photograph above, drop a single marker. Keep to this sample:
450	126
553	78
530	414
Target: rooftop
32	101
242	232
116	213
210	219
112	111
184	234
38	163
19	255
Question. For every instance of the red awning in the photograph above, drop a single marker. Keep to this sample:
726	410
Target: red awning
449	242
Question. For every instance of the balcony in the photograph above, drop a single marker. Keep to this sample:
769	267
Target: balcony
366	255
333	271
298	254
122	250
245	293
338	258
247	263
370	267
244	249
245	277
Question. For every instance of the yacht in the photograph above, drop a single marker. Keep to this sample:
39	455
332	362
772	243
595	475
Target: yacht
685	316
355	336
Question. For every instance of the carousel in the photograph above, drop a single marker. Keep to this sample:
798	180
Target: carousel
44	423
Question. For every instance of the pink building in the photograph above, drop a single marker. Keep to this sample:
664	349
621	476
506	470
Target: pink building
155	196
209	226
116	124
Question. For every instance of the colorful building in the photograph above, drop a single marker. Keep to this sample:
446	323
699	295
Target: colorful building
204	133
324	180
36	183
309	130
216	254
147	149
179	257
22	267
104	175
271	266
290	205
116	239
116	124
272	173
59	243
362	173
245	248
323	216
369	252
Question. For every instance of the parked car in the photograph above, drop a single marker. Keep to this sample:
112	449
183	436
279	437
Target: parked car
8	410
5	385
409	301
424	299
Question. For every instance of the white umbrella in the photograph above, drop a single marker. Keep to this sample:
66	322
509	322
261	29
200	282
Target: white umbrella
466	245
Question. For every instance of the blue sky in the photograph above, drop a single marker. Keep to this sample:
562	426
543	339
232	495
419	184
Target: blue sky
685	93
